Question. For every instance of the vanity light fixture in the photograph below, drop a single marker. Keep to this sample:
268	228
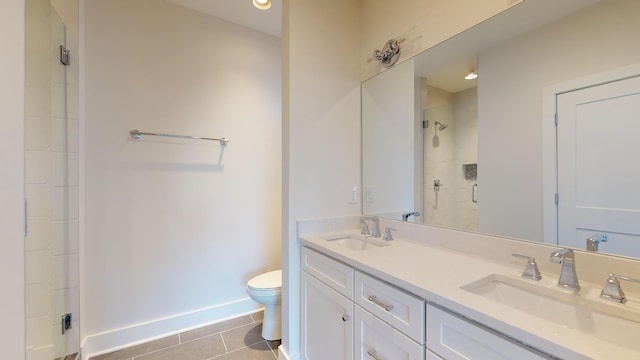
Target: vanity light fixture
471	75
389	53
262	4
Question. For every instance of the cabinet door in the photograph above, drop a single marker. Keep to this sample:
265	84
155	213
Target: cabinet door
327	322
452	338
377	340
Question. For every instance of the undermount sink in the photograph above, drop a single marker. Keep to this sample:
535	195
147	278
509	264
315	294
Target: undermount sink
611	322
354	242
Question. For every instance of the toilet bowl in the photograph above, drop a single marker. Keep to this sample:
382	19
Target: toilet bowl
267	290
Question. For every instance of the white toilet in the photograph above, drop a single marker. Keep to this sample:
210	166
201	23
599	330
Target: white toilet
267	290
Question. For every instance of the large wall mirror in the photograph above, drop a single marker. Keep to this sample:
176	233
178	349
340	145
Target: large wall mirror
485	154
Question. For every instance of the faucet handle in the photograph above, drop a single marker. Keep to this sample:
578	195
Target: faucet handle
387	234
612	290
531	270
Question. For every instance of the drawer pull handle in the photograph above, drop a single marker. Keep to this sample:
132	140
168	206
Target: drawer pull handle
373	354
345	318
375	300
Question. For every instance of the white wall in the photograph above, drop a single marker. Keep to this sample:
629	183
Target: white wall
321	128
12	279
388	129
510	85
175	228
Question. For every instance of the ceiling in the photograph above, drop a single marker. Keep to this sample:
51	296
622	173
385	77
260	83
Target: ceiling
241	12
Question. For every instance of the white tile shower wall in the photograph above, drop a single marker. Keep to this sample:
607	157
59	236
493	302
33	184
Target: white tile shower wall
39	236
465	116
37	174
175	227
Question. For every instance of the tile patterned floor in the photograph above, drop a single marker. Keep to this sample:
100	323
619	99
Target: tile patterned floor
235	339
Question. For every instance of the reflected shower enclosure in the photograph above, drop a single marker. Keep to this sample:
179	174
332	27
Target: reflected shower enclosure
450	144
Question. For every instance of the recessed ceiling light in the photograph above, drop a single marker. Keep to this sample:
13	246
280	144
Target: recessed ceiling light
472	75
262	4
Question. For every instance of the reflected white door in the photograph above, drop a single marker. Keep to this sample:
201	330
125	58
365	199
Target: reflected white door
598	154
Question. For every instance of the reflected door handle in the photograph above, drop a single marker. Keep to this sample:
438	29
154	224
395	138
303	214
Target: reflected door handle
474	191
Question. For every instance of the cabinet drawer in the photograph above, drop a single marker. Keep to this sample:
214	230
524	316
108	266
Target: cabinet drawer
453	338
377	340
335	274
396	307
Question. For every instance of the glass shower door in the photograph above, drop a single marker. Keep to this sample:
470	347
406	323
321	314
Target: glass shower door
51	191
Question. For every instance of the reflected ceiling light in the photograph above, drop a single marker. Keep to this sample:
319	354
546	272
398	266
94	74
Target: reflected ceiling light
262	4
472	75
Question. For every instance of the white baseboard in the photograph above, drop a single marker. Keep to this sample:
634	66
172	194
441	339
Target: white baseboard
108	341
283	355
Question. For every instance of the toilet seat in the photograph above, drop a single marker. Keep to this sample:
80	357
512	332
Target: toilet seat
270	281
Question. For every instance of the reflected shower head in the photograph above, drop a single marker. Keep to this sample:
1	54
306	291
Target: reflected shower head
441	126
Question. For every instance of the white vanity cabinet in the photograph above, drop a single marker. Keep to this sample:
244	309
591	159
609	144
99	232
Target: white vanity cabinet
349	315
452	338
326	308
381	323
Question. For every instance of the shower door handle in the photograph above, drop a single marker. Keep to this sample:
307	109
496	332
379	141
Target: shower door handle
474	197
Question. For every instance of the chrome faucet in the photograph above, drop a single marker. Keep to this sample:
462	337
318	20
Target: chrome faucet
568	277
405	216
376	226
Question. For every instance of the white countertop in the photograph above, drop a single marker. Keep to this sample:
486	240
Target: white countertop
436	274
